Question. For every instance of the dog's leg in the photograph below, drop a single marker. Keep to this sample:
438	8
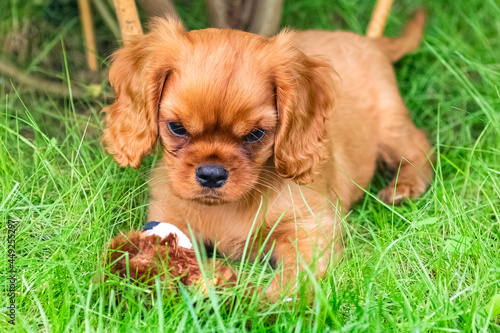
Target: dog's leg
405	150
300	250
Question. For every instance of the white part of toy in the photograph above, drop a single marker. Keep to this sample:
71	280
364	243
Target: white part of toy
164	229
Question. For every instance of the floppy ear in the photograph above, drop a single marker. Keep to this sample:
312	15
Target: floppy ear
138	74
305	89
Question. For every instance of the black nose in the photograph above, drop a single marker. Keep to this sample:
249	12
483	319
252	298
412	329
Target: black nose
211	176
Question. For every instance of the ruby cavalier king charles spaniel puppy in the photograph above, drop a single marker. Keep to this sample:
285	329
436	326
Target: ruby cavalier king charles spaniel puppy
270	136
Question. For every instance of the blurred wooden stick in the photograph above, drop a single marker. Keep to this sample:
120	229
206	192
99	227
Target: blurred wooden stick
88	33
128	17
266	17
30	83
217	10
160	8
261	17
379	18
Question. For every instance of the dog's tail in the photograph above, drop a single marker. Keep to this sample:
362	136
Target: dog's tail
395	48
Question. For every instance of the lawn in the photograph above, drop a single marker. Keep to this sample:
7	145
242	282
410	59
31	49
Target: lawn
432	264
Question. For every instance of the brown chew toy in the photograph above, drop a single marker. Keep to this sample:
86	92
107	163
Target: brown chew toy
150	255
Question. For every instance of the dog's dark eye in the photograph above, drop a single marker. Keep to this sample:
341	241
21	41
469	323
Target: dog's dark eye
255	135
177	129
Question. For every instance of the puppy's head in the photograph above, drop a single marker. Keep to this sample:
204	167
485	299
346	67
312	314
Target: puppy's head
222	103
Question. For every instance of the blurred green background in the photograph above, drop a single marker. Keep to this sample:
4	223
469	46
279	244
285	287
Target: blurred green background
432	264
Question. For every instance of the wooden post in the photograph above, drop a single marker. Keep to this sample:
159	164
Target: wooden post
267	17
160	8
217	10
88	33
379	18
128	17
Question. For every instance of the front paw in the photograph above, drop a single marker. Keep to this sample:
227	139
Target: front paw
397	193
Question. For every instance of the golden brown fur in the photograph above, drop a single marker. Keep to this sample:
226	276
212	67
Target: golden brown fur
329	103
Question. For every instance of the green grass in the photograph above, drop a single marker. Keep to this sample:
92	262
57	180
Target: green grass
432	264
